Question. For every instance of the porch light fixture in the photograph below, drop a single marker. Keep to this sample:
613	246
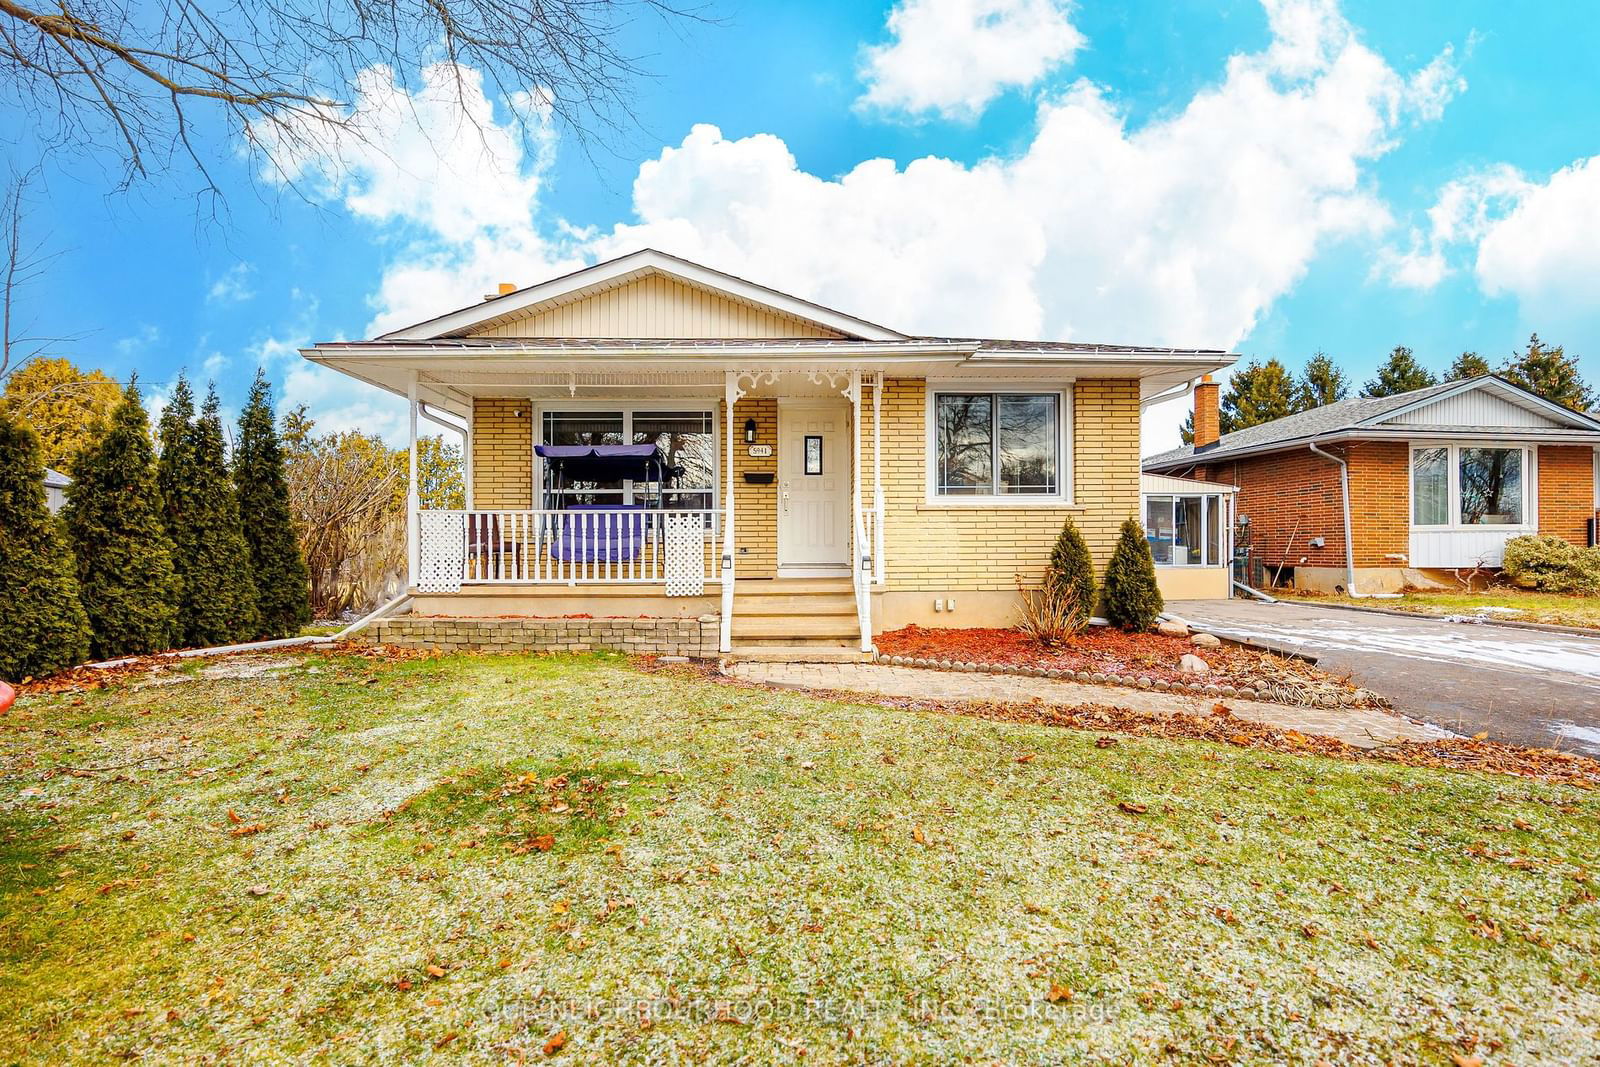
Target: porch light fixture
749	431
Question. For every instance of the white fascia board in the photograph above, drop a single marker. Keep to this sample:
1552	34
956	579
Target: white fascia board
844	352
639	263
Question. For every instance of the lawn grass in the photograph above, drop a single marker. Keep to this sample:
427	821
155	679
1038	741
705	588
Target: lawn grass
466	857
1556	608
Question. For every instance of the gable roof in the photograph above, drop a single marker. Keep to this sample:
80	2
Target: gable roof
631	267
1385	416
54	479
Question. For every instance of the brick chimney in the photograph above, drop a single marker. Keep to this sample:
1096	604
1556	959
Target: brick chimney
1207	420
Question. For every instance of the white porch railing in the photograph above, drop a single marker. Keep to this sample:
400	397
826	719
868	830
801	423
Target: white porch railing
566	547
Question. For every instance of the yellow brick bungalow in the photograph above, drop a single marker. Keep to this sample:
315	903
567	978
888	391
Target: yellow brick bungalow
650	439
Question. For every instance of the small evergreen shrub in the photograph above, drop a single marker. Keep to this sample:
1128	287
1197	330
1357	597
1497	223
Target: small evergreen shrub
1070	573
124	556
1552	565
1132	599
42	624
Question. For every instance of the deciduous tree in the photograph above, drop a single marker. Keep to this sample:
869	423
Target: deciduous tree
66	407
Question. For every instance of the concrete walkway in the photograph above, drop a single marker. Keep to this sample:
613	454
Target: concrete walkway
1358	726
1529	687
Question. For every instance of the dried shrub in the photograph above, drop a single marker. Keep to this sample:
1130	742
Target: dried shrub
1051	614
1552	565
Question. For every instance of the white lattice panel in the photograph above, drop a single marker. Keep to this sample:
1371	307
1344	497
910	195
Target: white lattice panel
441	551
686	555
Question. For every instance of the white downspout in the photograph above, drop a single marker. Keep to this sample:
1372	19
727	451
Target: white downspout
877	478
1349	546
861	577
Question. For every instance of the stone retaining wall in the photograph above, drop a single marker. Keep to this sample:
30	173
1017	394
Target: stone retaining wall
697	638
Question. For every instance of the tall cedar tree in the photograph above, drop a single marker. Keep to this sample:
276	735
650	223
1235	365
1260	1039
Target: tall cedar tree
1468	365
1400	373
1259	393
1550	373
216	591
1070	572
113	517
283	585
1133	600
42	624
1320	384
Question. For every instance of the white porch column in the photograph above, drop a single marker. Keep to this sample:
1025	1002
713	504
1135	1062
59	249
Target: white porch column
859	577
466	449
730	394
413	498
877	477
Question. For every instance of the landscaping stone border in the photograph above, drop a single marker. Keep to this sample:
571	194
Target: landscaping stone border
1359	698
694	638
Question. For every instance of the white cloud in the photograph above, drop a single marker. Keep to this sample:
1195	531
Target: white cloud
138	342
1463	213
455	185
952	57
1546	249
1182	231
233	286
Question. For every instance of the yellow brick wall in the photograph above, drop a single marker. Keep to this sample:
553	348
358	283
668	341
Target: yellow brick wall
926	546
933	547
755	507
502	453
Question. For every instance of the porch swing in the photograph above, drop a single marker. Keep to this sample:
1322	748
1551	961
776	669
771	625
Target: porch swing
603	533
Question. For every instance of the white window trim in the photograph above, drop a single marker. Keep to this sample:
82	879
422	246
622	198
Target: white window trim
628	407
1207	502
1530	488
1062	497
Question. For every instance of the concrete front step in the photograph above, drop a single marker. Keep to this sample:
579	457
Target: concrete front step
791	653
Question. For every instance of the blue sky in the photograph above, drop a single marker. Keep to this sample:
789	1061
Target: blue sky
1276	178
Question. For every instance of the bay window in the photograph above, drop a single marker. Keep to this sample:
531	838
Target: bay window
1468	485
997	445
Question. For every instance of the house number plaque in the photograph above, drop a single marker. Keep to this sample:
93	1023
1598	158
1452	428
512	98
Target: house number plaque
759	451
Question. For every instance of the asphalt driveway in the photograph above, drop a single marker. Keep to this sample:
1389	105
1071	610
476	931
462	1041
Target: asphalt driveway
1532	687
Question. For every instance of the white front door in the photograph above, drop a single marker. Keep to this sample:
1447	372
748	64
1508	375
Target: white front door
813	488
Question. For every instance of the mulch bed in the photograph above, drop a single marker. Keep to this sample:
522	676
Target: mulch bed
1221	726
1105	650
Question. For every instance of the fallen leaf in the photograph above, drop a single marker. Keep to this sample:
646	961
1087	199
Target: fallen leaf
247	830
1026	757
1058	994
557	1039
1132	807
1466	1061
1104	742
258	890
435	970
234	816
918	836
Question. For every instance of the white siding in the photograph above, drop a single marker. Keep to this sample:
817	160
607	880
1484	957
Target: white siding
54	499
1475	408
1462	548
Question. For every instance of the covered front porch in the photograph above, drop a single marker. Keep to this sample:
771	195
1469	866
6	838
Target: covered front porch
755	494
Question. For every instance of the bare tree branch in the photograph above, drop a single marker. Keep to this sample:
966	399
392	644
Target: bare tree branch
131	80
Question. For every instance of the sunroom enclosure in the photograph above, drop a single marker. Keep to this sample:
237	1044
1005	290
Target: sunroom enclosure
673	530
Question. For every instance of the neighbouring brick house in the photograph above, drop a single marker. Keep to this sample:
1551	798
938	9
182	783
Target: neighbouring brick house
1436	481
648	438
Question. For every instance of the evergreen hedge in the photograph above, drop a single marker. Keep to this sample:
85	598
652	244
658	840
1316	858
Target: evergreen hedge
43	627
216	592
1132	599
124	556
283	584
